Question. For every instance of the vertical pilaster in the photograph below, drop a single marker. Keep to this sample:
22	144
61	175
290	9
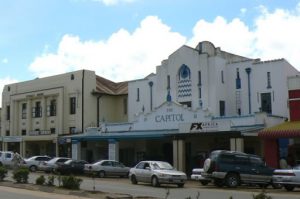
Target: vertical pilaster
179	154
237	144
76	155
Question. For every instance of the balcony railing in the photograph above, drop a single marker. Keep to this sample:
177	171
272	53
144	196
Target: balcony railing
40	132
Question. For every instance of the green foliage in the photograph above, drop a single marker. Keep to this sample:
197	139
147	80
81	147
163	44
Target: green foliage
40	180
3	173
21	175
71	182
50	181
262	195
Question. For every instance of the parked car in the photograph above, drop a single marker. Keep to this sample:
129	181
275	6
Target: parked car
33	162
197	175
233	168
71	167
156	173
288	178
6	158
51	165
103	168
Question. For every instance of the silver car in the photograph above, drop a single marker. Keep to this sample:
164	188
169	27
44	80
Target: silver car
51	165
103	168
156	173
33	162
288	178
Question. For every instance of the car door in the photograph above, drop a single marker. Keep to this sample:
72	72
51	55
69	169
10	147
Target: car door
147	172
119	168
107	167
138	171
242	166
260	172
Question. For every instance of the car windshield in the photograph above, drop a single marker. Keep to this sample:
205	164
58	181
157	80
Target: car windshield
162	166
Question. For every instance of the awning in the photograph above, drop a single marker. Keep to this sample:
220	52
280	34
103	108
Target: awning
284	130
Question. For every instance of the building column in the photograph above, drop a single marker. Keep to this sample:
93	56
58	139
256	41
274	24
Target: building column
76	145
113	150
4	146
44	113
179	154
23	148
29	116
237	144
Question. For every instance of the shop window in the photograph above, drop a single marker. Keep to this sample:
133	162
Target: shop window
72	105
24	111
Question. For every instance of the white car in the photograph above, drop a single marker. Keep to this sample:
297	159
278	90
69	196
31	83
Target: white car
103	168
51	165
197	175
33	162
156	173
6	158
288	178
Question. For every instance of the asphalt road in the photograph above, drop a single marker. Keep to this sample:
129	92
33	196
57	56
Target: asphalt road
191	189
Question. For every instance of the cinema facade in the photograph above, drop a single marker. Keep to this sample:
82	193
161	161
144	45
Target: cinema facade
200	99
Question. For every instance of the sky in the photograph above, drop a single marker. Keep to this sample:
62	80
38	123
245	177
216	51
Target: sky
126	39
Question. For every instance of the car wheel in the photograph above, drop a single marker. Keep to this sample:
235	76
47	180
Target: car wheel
204	183
218	182
154	181
207	165
133	179
232	180
180	185
33	168
289	187
101	174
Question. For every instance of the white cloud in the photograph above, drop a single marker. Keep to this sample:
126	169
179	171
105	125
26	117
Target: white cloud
123	56
4	61
114	2
129	55
243	11
275	35
4	81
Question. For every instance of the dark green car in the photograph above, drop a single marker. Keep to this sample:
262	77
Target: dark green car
233	168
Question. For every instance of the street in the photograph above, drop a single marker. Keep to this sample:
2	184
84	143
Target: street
191	189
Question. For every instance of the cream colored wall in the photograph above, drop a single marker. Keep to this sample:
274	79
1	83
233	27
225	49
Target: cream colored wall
59	87
111	109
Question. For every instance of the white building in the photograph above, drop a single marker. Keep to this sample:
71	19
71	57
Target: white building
200	99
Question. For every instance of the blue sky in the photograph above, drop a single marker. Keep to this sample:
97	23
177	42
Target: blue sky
126	39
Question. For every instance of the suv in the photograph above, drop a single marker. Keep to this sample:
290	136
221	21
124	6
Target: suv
233	168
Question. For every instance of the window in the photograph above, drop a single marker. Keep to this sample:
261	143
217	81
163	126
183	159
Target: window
24	111
52	130
199	78
23	131
72	76
137	94
7	112
7	133
188	104
222	108
8	88
51	111
168	82
222	77
72	105
72	130
37	110
237	80
269	80
125	105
